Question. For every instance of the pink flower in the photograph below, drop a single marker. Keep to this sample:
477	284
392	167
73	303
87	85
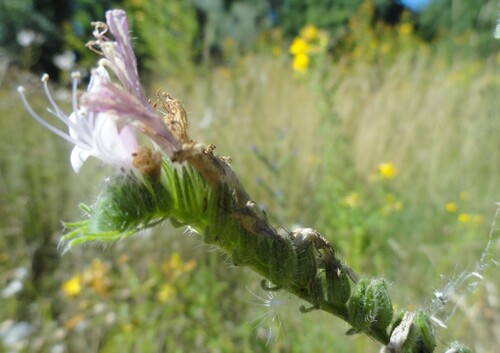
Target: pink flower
92	134
104	121
126	100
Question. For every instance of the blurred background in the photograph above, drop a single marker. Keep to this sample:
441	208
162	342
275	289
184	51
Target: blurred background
372	121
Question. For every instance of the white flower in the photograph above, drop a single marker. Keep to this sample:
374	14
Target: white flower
64	61
104	120
93	134
496	32
25	37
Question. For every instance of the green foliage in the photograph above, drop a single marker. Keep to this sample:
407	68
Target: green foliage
330	14
230	27
461	22
24	29
165	32
129	204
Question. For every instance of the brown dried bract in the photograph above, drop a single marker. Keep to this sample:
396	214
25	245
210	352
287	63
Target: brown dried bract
147	162
174	115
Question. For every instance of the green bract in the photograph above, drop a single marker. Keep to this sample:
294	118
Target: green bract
130	203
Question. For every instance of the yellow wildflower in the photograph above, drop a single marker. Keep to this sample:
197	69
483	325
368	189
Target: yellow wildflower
351	200
174	267
464	196
300	63
96	276
189	266
397	206
166	292
451	207
309	32
128	328
72	287
299	46
477	219
387	170
123	259
276	50
405	28
73	321
464	218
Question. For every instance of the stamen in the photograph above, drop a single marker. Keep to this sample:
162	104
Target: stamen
75	77
57	112
48	126
60	114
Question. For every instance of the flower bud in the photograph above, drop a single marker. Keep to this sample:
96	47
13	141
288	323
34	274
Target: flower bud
127	204
338	288
370	307
422	336
359	308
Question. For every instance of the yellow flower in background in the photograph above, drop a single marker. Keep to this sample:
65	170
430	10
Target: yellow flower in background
309	32
464	218
451	207
73	321
477	219
123	259
397	206
276	50
464	196
166	292
300	63
391	204
72	287
405	28
352	200
299	46
174	267
387	170
189	266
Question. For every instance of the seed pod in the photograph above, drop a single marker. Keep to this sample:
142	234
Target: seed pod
422	336
338	288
